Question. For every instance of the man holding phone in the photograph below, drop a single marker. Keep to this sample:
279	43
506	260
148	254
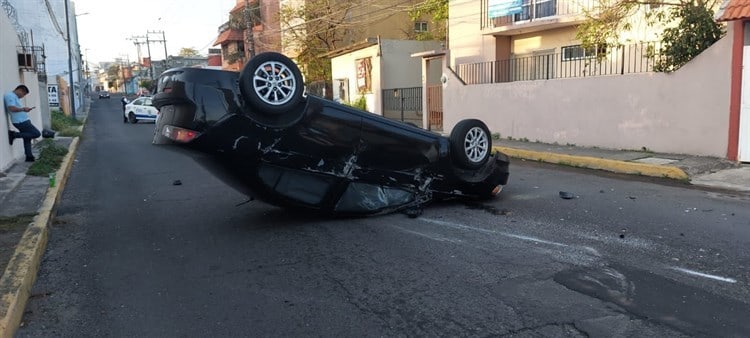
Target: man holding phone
20	118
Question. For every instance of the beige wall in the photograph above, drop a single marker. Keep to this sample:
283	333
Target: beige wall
10	77
551	39
681	112
388	19
468	44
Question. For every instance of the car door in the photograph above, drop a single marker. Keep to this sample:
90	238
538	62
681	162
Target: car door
148	108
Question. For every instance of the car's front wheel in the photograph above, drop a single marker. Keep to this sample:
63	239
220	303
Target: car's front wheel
272	84
131	118
471	144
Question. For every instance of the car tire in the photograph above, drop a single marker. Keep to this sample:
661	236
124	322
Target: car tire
271	84
131	118
471	144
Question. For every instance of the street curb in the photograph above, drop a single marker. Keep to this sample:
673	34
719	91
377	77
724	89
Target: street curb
19	276
615	166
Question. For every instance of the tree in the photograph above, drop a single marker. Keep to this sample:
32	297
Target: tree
317	27
113	73
146	83
437	10
690	27
188	52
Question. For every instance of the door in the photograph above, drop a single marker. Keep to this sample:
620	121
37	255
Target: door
744	146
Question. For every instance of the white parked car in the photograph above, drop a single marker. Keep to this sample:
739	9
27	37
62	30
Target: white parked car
140	109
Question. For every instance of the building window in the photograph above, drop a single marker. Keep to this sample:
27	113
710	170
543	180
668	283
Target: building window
577	52
420	26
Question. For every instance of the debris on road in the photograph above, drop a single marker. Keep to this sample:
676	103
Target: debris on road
567	195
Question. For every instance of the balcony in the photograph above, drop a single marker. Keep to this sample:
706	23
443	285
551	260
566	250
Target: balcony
534	15
570	62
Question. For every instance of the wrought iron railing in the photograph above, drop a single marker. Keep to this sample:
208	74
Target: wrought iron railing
570	63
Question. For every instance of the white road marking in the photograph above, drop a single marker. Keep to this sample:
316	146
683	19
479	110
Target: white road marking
506	234
705	275
434	238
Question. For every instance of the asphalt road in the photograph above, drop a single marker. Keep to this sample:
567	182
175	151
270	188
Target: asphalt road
132	254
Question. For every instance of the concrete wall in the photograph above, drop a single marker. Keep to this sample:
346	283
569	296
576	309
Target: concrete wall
345	67
680	112
10	77
392	67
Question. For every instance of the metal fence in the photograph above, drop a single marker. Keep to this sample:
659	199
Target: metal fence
403	104
570	63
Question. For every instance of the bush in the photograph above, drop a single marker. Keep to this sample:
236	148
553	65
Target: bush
65	125
50	158
360	103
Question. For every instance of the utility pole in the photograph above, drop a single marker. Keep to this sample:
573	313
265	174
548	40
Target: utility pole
150	60
138	42
164	41
70	64
249	34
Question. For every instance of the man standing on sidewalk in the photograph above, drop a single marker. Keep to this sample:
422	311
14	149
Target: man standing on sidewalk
124	102
20	118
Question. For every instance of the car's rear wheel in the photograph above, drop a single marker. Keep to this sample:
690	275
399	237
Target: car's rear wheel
470	143
131	118
271	84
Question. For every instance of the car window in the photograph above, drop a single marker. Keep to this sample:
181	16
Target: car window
298	185
138	102
147	102
360	196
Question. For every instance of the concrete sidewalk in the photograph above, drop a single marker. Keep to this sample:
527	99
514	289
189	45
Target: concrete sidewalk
697	170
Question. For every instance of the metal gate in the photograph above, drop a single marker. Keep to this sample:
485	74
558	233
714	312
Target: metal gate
435	107
403	104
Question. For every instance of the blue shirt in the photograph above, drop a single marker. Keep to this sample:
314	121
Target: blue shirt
11	99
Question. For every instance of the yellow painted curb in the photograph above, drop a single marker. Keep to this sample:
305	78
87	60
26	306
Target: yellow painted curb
22	269
597	163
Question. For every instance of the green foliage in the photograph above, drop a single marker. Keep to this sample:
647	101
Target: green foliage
696	31
188	52
65	125
360	103
238	20
691	27
437	10
146	83
50	158
113	73
315	28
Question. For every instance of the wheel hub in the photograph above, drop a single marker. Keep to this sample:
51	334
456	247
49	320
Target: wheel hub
476	144
274	83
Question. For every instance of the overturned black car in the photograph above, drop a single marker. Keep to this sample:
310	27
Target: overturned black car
262	135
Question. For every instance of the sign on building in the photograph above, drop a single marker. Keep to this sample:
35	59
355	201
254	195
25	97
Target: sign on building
52	95
364	75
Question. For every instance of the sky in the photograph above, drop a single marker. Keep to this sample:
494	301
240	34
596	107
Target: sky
104	26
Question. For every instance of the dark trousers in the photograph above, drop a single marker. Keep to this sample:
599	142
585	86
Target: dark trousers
28	132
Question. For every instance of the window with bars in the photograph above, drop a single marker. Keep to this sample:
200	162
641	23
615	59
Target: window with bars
420	26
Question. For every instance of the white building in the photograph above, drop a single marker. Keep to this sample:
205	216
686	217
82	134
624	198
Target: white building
43	24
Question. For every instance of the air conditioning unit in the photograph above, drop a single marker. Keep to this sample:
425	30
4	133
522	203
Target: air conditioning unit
25	61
